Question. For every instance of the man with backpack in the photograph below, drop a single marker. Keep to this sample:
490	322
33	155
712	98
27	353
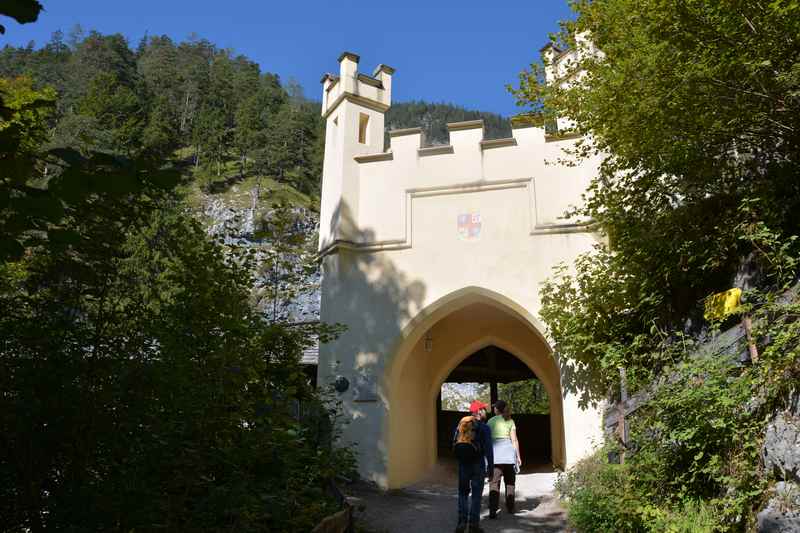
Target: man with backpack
472	446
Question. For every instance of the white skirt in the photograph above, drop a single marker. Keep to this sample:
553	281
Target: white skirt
504	452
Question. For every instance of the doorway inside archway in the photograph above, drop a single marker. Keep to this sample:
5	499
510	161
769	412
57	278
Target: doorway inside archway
490	374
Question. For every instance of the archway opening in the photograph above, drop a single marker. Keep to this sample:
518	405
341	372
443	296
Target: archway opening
450	332
488	375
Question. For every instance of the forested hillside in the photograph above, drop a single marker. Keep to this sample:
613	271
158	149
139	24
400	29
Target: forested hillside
433	119
216	110
212	110
242	139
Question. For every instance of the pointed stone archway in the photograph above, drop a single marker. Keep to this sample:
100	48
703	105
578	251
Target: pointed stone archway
433	345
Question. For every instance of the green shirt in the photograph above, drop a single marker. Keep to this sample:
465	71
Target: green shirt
501	428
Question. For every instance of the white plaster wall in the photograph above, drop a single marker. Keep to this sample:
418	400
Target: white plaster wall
377	294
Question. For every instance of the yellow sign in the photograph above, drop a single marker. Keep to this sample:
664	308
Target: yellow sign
722	304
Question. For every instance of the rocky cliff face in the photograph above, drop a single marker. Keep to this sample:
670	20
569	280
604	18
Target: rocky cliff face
782	446
234	224
237	224
781	455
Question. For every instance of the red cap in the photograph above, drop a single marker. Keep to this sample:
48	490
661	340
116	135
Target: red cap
477	405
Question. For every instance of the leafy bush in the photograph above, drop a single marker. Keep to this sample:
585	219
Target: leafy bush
696	439
142	392
603	497
692	516
599	497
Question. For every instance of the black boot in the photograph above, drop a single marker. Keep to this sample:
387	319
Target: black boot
474	527
494	503
510	503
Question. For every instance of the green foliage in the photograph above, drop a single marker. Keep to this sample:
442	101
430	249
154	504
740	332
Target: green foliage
697	439
116	113
458	396
141	386
433	119
198	104
141	390
165	97
525	397
23	11
25	112
603	498
692	516
286	261
599	498
40	189
289	151
598	316
694	109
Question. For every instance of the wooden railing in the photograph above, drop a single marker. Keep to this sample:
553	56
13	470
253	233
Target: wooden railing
341	521
734	343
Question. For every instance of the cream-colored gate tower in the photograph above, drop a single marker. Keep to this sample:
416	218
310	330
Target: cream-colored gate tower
430	254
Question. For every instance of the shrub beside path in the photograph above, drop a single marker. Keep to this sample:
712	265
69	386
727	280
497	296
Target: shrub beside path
431	506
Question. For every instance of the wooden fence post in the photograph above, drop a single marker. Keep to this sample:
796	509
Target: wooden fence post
747	322
622	428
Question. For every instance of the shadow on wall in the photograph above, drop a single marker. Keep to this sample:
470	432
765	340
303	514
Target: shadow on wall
574	379
367	293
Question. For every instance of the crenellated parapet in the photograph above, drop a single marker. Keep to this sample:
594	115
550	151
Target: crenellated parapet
461	134
371	91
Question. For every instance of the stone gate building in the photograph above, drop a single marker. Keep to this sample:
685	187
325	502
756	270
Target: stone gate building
434	255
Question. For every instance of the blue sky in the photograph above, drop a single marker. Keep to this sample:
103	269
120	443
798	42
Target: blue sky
462	52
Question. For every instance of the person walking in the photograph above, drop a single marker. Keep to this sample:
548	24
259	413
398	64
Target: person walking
507	458
472	446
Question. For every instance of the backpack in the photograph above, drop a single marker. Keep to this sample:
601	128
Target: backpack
466	447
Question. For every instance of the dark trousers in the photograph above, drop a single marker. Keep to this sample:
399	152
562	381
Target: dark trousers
507	474
470	480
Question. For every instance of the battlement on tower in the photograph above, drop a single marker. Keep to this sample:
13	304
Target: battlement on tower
374	91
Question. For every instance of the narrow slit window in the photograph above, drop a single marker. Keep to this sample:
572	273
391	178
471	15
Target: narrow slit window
363	122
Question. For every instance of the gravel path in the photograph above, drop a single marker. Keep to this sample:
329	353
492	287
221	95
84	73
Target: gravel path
431	506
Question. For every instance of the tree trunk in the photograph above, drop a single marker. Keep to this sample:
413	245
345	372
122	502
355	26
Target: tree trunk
185	112
255	194
275	295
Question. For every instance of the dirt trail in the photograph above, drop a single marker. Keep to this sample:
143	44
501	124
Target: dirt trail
431	506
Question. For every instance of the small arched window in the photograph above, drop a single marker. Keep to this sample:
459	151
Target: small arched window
363	122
